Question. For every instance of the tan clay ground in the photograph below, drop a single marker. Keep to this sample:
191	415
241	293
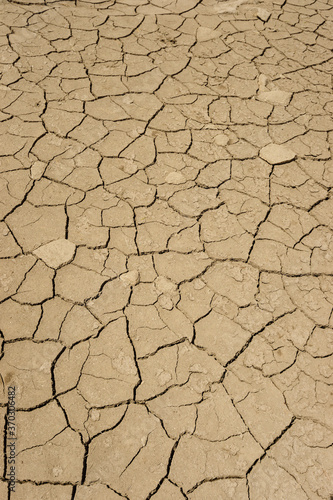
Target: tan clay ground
166	271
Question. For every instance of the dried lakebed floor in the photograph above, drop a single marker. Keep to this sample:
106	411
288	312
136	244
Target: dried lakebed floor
166	250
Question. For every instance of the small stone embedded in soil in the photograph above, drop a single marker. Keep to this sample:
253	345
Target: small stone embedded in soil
276	154
175	178
279	97
221	139
37	170
131	277
263	14
56	253
165	302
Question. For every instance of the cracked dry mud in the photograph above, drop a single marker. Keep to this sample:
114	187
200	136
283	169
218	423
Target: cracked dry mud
166	271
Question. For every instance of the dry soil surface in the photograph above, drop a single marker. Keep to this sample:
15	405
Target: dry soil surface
166	271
